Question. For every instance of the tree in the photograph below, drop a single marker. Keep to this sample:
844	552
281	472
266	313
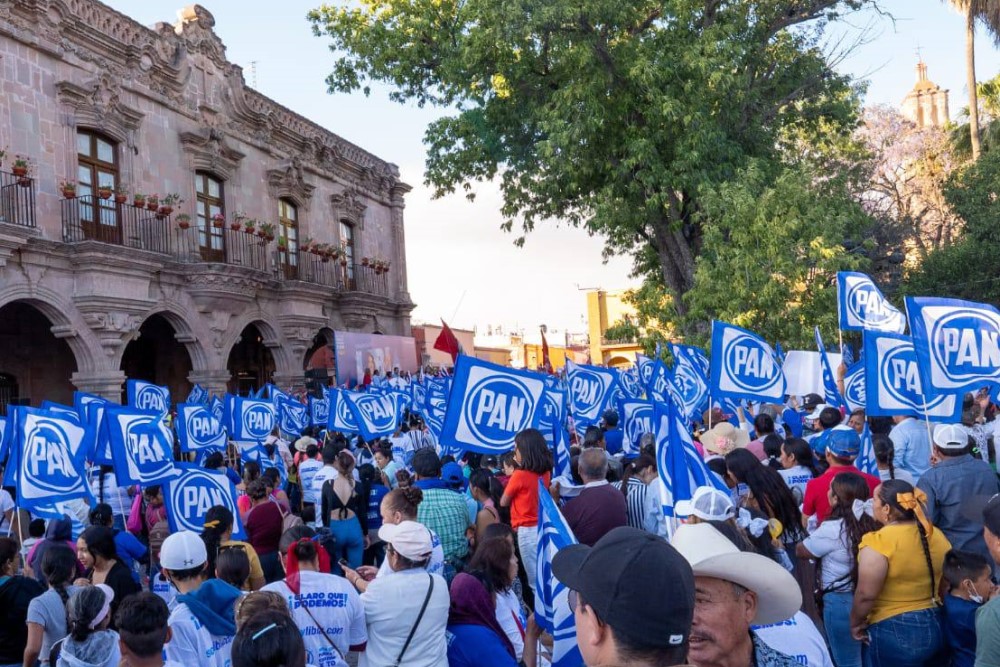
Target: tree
988	12
615	116
988	95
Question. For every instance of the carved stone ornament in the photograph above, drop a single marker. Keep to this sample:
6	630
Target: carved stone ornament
114	328
97	104
288	181
195	26
348	205
210	152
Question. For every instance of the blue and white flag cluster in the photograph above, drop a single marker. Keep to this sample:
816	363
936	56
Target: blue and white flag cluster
376	414
190	494
893	385
866	461
340	417
862	307
590	392
141	445
147	396
48	454
250	419
690	379
744	366
293	417
319	411
637	419
680	467
552	611
831	393
854	386
197	428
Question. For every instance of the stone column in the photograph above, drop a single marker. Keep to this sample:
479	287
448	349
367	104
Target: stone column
215	382
289	382
104	383
398	269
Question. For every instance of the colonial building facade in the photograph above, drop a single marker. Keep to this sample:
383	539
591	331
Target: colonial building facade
269	232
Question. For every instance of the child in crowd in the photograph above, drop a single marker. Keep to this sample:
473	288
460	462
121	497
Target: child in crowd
968	577
142	630
36	531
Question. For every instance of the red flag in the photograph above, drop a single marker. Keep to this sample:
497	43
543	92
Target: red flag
546	364
446	342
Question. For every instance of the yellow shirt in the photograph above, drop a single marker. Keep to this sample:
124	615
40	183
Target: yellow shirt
256	580
907	586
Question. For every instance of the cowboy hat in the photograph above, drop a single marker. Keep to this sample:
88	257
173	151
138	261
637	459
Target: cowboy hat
724	438
711	554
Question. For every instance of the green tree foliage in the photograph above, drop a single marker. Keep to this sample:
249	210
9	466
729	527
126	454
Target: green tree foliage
970	268
618	116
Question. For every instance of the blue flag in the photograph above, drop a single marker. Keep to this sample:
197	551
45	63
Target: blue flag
197	428
60	409
48	457
590	392
188	496
319	411
644	365
144	395
552	424
744	366
436	405
218	408
679	465
376	415
637	419
689	380
629	383
893	384
141	445
552	611
293	417
866	461
341	419
957	344
251	420
862	306
855	387
832	395
489	405
198	394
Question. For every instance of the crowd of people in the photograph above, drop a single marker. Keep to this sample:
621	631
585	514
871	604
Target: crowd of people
389	553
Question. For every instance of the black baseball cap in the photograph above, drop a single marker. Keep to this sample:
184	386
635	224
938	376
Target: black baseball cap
636	583
810	401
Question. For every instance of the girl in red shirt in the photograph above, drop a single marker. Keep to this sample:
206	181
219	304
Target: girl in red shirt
534	463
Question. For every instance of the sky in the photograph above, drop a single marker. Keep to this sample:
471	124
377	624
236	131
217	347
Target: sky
461	266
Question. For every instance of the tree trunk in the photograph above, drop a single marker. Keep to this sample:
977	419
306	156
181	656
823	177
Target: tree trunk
676	261
970	75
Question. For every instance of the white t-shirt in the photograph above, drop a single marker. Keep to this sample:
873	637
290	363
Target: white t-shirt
511	618
392	604
797	637
337	608
164	589
401	446
829	543
193	644
796	479
307	475
435	566
900	474
319	479
6	505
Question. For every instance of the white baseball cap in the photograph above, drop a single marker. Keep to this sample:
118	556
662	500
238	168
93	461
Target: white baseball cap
951	436
409	539
708	504
183	551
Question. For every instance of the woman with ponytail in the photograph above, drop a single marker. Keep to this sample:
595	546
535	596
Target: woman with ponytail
90	643
487	490
885	455
326	609
217	534
47	622
896	607
635	484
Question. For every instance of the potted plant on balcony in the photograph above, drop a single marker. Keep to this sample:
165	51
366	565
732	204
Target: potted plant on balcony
3	154
325	254
169	202
105	191
385	267
306	244
364	261
218	221
121	194
250	226
153	201
68	189
139	200
184	221
22	166
267	231
282	243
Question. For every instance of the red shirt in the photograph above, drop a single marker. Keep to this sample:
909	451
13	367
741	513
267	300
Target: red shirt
816	500
522	489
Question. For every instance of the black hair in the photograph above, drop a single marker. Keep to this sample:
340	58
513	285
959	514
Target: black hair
426	463
447	458
251	472
846	488
383	448
312	450
8	551
151	491
232	565
369	474
634	467
535	454
404	500
305	551
83	607
485	481
215	460
330	454
36	528
141	620
885	452
269	638
772	448
490	564
257	489
102	515
59	570
718	466
592	437
962	565
610	417
739	461
763	424
506	459
495	530
887	494
830	417
218	521
775	500
100	542
800	450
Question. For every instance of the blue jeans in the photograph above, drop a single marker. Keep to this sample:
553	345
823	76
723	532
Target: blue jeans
844	649
350	541
913	639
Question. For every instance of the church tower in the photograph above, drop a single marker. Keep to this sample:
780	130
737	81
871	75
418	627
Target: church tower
927	104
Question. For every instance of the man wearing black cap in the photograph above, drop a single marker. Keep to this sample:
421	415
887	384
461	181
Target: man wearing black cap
632	595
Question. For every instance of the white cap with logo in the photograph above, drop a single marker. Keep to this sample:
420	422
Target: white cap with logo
951	436
183	551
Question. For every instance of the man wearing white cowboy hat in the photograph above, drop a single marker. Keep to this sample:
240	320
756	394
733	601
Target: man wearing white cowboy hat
733	591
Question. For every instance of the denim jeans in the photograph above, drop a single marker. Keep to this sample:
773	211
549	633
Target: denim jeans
844	649
350	540
527	542
913	639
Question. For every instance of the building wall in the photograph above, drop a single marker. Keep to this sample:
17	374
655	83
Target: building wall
494	355
175	105
426	334
604	310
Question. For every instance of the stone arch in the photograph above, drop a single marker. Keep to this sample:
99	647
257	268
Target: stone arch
67	323
256	353
271	339
619	361
160	351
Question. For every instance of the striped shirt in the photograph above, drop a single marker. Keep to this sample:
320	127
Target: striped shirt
635	501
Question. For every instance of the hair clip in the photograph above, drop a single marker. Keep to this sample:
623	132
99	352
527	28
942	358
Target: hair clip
263	631
214	523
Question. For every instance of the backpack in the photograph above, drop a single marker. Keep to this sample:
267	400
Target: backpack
288	519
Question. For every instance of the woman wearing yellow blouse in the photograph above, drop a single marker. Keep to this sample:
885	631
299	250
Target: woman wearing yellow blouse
896	606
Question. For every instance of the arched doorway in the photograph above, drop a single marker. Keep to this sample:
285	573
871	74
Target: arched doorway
250	364
156	356
35	365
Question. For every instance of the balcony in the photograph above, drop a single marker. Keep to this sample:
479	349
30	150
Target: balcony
90	218
17	200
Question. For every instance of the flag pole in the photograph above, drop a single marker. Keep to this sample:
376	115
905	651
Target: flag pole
927	421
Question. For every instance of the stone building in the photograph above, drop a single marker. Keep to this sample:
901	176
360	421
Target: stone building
926	105
95	289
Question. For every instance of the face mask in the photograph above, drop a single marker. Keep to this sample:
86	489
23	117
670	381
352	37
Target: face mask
973	595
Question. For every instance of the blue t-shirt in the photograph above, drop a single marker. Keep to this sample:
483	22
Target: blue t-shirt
960	630
375	496
476	646
613	440
129	549
793	420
